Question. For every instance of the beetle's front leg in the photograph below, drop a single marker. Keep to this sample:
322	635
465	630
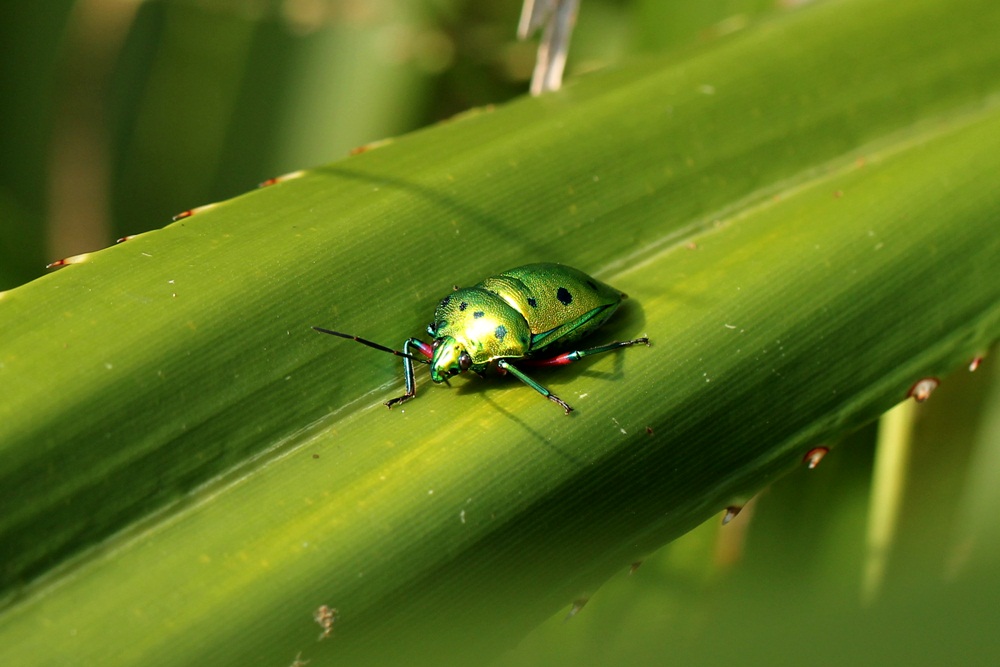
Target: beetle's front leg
411	385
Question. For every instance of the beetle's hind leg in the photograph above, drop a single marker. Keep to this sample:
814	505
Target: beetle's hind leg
577	355
411	385
510	368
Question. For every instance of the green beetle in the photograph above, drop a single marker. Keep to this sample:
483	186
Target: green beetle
519	314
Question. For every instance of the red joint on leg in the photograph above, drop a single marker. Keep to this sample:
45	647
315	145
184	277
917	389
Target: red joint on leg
558	360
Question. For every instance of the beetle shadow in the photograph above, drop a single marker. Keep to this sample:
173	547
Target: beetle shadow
541	438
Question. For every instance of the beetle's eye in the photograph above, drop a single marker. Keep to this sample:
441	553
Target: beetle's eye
464	361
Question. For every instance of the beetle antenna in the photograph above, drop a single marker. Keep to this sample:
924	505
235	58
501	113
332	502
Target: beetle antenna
372	344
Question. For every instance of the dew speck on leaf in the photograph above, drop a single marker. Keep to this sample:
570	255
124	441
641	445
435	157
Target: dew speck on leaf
814	456
923	389
731	513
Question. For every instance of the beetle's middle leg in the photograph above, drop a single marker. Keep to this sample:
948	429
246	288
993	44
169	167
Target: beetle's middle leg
506	366
411	385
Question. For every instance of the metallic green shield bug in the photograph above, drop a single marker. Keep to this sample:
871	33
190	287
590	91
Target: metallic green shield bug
509	321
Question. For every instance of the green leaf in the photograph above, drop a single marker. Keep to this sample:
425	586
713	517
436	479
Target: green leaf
803	215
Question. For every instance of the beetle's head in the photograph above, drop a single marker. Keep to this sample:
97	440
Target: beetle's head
450	358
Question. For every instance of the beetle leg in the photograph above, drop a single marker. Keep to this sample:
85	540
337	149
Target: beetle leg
411	385
576	355
510	368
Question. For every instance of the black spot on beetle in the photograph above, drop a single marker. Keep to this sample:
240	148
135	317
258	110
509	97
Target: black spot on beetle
524	340
462	306
478	314
444	301
565	298
532	302
592	285
501	333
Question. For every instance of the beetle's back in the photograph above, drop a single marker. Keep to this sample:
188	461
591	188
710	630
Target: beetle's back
560	303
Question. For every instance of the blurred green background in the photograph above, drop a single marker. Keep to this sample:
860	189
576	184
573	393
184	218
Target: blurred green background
118	114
